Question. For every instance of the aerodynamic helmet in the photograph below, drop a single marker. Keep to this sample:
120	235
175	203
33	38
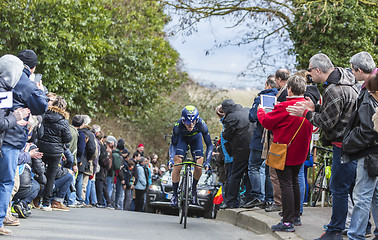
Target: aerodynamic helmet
189	115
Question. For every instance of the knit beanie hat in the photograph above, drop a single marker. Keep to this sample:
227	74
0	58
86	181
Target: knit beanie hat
77	120
28	57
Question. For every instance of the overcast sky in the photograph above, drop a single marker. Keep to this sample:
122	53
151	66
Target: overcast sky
222	66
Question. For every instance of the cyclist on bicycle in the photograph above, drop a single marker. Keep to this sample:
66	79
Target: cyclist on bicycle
189	130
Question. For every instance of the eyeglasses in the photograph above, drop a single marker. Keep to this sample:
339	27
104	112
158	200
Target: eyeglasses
310	69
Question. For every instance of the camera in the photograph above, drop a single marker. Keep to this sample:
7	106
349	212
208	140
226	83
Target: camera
308	78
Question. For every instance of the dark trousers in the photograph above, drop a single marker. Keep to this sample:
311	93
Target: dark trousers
101	192
290	194
228	168
238	171
52	170
139	199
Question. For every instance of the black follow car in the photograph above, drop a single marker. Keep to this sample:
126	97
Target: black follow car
160	192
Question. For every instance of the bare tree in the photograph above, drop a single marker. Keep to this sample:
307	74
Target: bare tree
263	24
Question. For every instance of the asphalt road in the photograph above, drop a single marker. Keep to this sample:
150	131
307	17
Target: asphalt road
92	223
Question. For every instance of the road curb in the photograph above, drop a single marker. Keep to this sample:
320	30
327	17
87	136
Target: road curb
251	220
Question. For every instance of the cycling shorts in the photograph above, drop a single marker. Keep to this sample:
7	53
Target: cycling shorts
195	143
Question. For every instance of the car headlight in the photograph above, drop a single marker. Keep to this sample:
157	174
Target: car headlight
155	188
203	192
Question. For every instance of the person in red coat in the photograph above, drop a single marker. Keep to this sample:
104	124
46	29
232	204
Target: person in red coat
284	127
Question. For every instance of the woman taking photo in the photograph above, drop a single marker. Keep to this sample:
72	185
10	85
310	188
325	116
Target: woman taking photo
296	133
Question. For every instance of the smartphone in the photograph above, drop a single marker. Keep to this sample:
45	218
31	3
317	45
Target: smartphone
37	78
268	101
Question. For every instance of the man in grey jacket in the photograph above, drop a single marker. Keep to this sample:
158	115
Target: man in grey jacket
332	117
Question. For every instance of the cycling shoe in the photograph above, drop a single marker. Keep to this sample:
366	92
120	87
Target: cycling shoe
174	201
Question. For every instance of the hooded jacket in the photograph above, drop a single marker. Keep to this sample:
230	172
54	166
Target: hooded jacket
25	95
56	131
10	73
339	101
237	130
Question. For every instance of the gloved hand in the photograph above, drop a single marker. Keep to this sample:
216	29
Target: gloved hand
170	163
207	166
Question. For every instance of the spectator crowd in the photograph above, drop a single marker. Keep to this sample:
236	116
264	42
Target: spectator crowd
49	164
347	117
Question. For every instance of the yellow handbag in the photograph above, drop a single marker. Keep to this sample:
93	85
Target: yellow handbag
277	153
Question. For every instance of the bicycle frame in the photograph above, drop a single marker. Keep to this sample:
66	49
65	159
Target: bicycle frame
184	188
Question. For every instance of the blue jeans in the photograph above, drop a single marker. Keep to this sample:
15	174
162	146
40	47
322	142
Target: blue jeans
8	165
79	187
342	177
109	183
62	186
90	197
365	196
27	195
302	185
263	168
72	195
119	195
254	164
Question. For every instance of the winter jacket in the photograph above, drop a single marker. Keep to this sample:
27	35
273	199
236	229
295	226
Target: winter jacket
125	174
116	162
80	148
104	164
62	171
56	132
73	143
10	72
25	95
141	181
339	100
284	127
35	166
256	142
361	138
237	130
89	151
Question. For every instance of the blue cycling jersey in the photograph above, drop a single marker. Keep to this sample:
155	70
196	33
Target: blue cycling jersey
181	138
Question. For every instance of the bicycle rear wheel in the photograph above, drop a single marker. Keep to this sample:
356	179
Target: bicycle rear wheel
317	187
186	203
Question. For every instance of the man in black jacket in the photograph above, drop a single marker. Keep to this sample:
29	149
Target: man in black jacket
105	164
238	132
125	175
360	143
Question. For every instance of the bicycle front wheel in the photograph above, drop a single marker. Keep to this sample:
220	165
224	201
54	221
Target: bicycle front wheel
317	187
186	203
181	199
